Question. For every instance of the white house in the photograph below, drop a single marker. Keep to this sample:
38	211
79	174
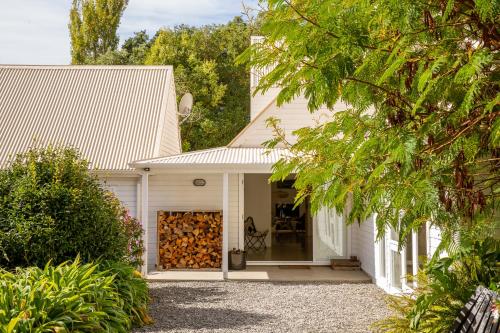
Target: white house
124	120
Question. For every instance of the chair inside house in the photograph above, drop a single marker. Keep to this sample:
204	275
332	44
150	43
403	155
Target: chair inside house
300	229
254	239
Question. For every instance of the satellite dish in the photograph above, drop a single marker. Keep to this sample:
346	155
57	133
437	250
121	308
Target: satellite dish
185	106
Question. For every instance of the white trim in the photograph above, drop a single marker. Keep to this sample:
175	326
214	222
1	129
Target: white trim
138	213
144	218
208	168
163	115
225	224
241	211
428	239
379	251
115	173
288	263
348	238
404	270
414	257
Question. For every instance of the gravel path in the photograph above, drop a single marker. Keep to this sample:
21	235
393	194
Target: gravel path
264	307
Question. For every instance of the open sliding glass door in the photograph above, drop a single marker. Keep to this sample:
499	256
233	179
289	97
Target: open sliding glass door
329	240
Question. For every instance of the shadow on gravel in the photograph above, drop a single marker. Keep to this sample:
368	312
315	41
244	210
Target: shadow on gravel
187	295
178	308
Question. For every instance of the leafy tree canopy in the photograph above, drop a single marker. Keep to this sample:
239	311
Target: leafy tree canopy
132	52
93	25
204	65
421	139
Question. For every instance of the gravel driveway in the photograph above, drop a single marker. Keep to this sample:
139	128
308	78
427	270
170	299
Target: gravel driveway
236	306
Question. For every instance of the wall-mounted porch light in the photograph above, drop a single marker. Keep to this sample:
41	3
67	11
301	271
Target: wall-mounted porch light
199	182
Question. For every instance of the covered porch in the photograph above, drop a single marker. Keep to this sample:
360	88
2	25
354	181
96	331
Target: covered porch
234	181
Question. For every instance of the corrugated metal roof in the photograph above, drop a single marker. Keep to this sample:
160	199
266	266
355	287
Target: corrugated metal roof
218	156
110	113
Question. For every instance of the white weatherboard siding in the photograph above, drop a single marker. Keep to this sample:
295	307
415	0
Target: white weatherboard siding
259	101
170	135
125	189
363	245
434	238
293	116
176	192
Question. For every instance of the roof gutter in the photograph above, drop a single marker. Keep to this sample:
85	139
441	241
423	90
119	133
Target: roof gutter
209	168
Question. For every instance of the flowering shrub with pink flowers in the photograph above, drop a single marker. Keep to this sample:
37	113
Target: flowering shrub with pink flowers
133	231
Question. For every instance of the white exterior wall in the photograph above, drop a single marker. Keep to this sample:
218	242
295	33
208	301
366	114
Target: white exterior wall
293	116
259	101
170	143
125	188
176	192
433	239
363	245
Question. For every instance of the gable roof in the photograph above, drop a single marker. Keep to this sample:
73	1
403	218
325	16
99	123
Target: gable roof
112	114
236	141
292	116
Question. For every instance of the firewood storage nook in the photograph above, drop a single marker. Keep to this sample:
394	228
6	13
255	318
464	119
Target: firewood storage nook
191	240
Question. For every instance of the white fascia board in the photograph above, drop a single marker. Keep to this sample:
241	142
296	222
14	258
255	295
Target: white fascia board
208	168
116	173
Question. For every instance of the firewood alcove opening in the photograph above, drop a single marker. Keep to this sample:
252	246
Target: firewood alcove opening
189	240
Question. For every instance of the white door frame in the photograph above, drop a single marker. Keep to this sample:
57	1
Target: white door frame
241	211
379	254
320	262
390	247
225	225
346	239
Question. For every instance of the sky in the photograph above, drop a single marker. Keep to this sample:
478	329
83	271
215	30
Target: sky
36	31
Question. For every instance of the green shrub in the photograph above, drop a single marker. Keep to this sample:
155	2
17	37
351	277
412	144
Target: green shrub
132	289
52	208
72	297
133	233
444	286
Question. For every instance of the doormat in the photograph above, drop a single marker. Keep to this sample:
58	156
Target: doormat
294	267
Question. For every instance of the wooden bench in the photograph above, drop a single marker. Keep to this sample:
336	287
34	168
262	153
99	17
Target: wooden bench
476	316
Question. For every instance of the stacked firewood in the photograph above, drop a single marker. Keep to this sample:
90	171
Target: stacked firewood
189	240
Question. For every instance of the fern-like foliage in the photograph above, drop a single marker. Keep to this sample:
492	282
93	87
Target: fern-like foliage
420	141
444	286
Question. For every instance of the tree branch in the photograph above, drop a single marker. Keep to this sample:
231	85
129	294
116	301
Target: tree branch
387	91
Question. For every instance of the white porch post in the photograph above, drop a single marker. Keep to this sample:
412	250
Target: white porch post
414	256
225	224
144	219
377	250
241	211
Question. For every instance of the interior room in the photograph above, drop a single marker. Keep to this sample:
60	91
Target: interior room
276	230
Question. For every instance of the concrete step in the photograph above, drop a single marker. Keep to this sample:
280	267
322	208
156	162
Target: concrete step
346	264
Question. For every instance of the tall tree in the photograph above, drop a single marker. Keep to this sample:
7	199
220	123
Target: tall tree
93	25
204	65
421	141
133	51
